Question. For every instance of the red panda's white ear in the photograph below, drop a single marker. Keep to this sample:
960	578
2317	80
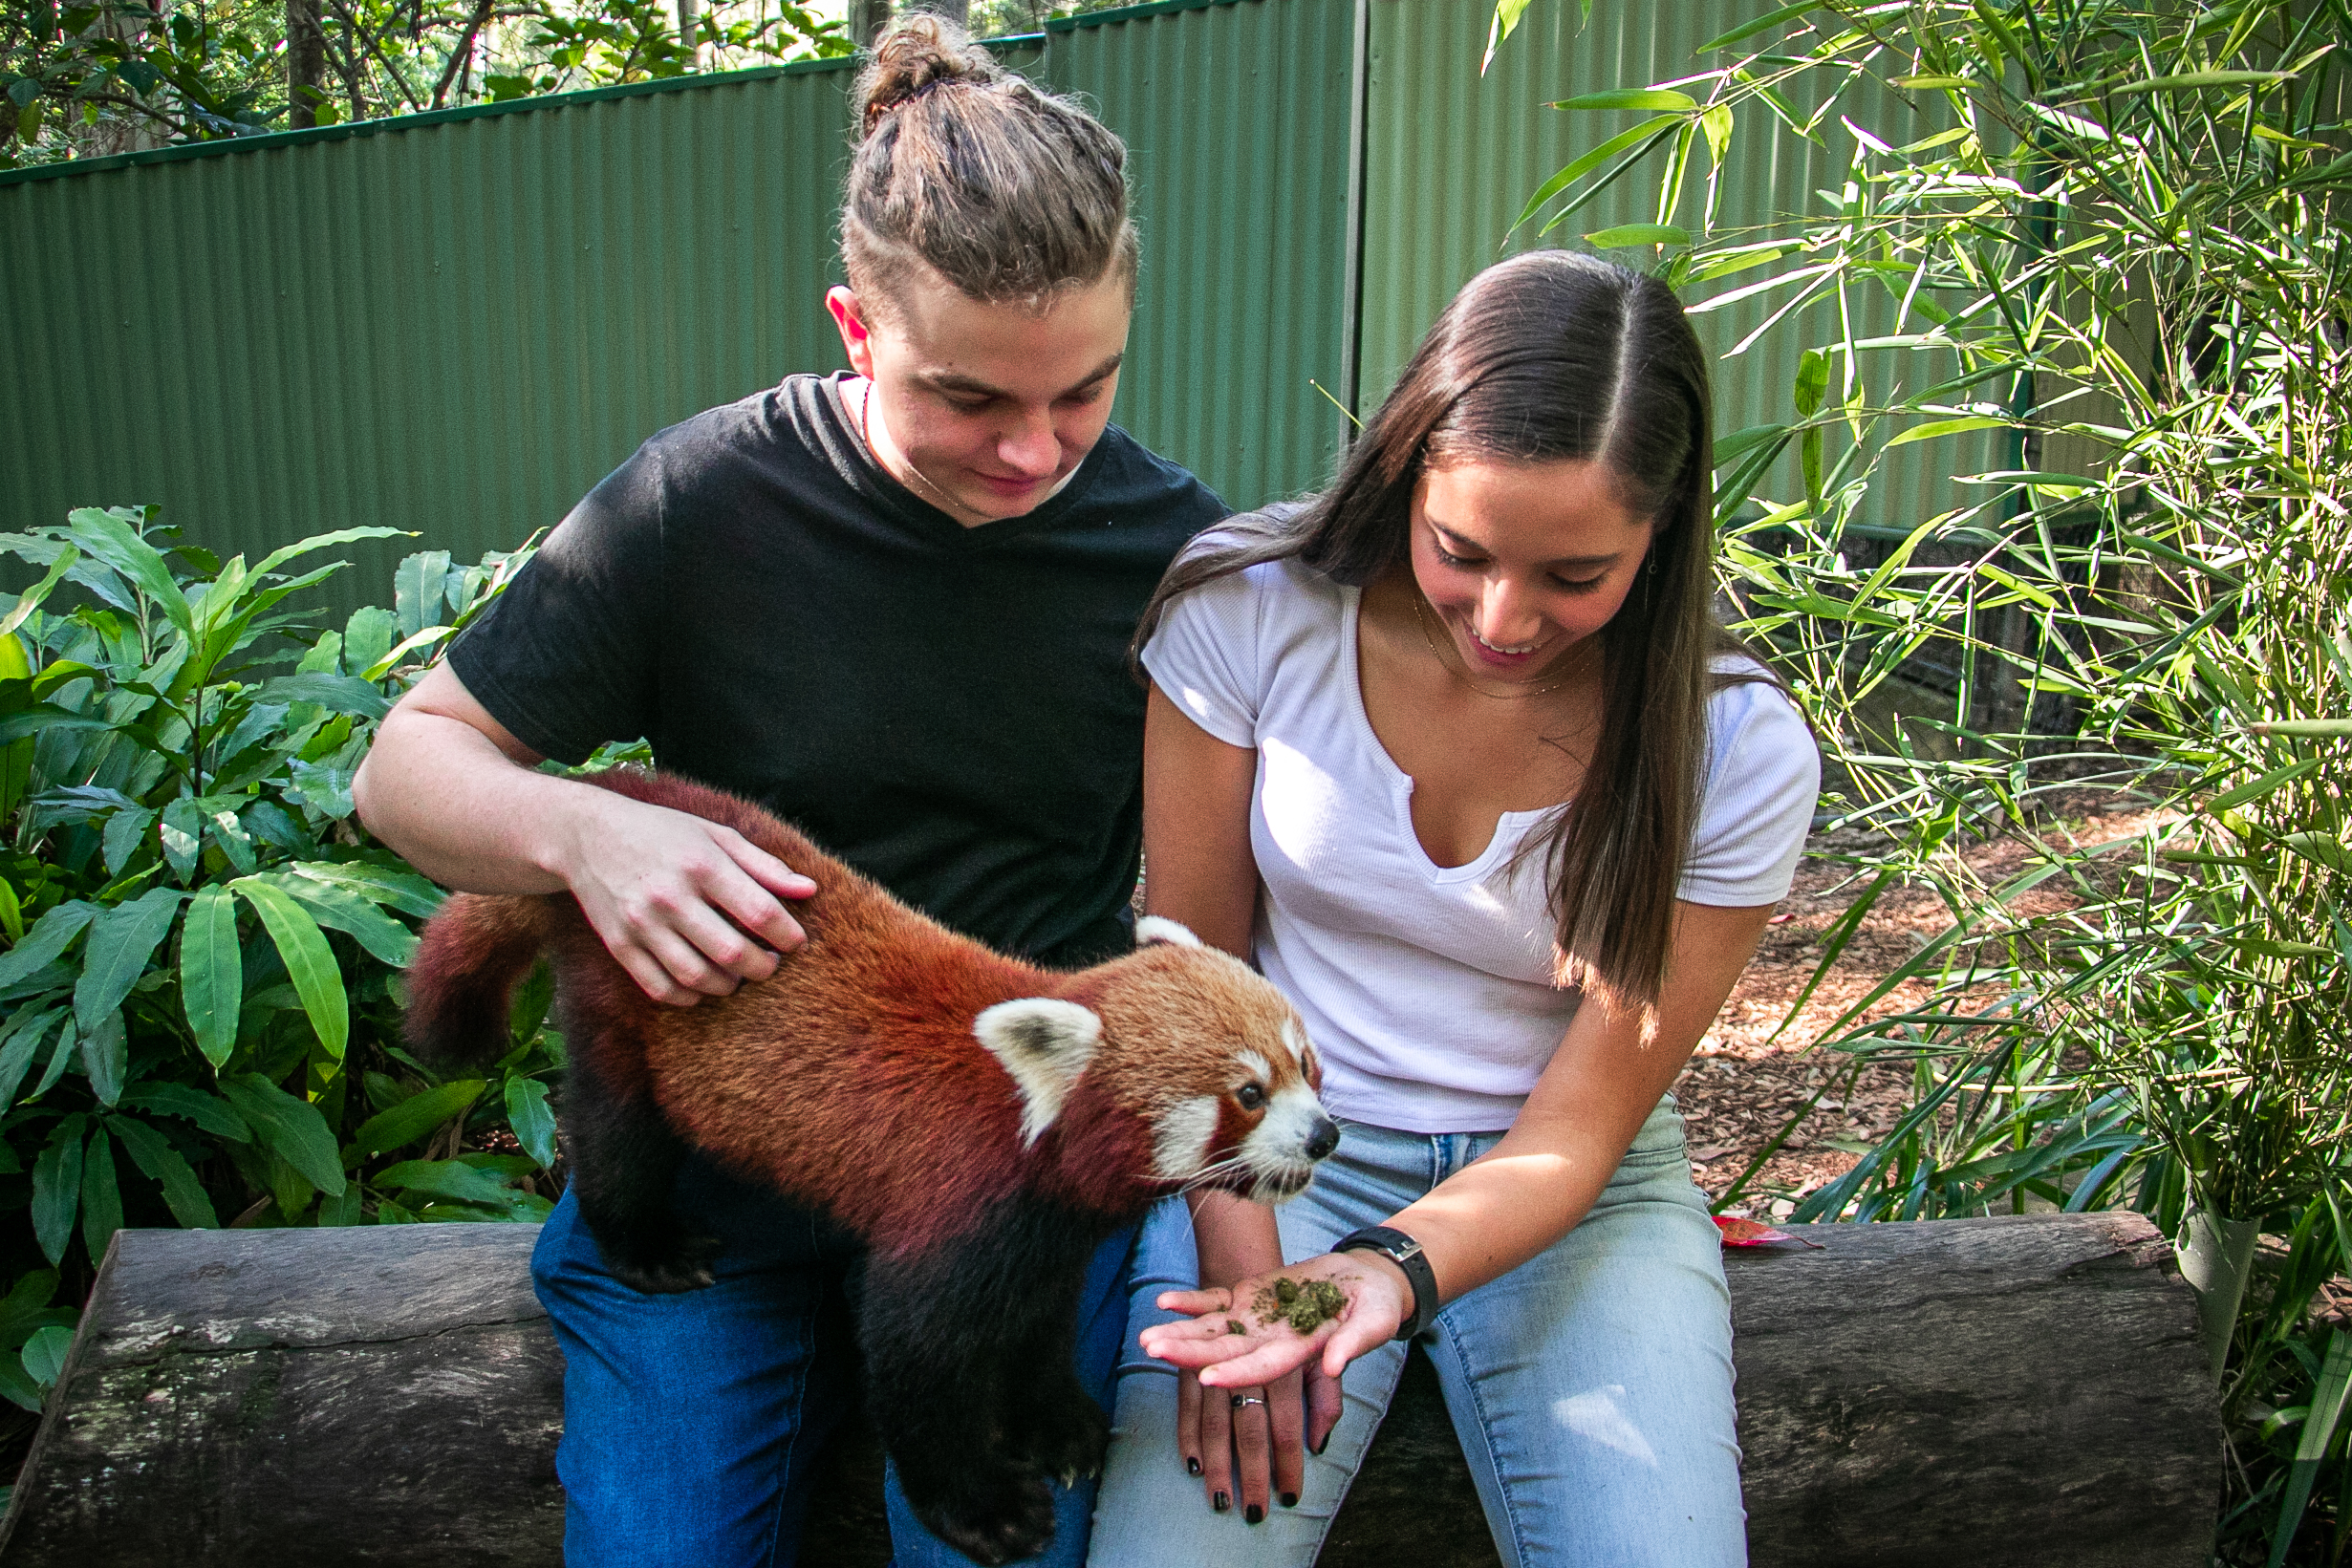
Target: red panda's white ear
1045	1043
1157	928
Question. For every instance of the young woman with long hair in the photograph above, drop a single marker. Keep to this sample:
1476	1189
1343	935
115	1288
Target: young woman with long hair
1457	754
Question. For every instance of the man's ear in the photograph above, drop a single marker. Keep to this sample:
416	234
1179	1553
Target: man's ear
1157	928
849	313
1045	1043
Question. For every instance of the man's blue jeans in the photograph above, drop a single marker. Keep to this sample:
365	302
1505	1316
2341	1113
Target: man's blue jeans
693	1423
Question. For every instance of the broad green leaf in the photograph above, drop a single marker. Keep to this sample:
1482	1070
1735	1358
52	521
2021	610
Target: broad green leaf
42	717
309	963
126	830
69	1040
401	890
343	1208
1631	97
33	597
292	1127
326	786
1949	427
16	1384
413	1118
278	558
336	694
212	972
57	1189
46	941
446	1179
102	1195
121	941
153	1153
1629	234
234	841
385	665
181	832
533	1122
2321	850
21	1044
116	543
106	1057
2328	1396
207	1111
367	638
338	909
419	587
21	1311
44	1355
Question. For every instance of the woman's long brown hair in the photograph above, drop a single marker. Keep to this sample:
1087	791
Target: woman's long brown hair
1548	356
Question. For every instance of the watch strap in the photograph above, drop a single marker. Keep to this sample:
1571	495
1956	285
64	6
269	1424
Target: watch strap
1405	1254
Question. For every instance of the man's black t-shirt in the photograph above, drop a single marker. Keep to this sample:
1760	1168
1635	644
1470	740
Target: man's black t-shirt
947	709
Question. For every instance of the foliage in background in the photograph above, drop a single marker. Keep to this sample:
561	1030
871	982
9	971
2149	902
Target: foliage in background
89	77
2115	233
201	985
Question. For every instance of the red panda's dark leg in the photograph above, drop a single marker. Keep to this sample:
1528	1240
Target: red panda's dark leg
625	1167
949	1337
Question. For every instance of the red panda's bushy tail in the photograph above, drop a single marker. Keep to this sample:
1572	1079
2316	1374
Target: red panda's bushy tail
468	958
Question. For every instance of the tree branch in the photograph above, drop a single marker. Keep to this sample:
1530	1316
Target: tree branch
463	52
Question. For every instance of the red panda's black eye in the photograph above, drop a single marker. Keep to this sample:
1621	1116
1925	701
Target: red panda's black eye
1250	1095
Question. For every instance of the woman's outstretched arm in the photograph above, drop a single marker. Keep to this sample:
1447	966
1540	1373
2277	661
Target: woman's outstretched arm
1526	1193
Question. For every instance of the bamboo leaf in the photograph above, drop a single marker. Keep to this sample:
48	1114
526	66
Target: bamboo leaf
2276	779
121	941
1631	97
1763	23
1949	427
309	963
1631	234
1649	129
2328	1404
2190	81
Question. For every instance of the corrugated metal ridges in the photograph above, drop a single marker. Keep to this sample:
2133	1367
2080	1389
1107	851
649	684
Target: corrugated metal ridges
457	330
1236	121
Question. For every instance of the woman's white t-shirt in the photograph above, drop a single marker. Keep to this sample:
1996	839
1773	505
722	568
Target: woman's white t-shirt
1427	990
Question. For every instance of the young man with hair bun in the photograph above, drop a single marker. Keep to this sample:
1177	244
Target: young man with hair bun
893	605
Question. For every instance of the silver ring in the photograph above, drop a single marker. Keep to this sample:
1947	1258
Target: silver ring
1240	1400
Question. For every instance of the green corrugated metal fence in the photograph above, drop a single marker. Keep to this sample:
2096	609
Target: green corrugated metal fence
455	323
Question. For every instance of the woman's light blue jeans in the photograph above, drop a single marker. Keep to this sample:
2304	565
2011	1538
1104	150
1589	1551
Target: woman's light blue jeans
1591	1387
693	1423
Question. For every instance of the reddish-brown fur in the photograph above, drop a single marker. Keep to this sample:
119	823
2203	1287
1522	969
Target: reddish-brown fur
862	1041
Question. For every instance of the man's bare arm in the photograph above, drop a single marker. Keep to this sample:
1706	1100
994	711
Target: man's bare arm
672	896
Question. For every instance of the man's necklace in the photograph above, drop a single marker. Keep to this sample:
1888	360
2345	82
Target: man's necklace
865	400
1420	618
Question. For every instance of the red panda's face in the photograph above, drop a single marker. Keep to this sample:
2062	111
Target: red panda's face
1215	1060
1193	1043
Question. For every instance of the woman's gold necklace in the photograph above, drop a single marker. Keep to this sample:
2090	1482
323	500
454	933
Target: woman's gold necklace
1420	618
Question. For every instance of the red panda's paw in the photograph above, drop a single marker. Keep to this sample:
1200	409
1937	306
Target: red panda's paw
668	1271
991	1509
1063	1433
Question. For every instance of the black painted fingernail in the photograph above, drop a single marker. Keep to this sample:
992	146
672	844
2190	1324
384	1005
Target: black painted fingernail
1290	1499
1253	1514
1192	1465
1220	1503
1317	1449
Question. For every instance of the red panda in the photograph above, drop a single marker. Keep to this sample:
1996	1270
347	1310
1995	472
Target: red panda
980	1124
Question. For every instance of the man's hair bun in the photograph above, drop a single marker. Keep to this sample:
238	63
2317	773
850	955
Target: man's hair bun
972	171
920	54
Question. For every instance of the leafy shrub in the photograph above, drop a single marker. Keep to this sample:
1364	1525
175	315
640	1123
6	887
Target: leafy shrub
202	988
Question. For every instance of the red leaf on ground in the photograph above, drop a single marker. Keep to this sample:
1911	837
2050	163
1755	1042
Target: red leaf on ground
1754	1233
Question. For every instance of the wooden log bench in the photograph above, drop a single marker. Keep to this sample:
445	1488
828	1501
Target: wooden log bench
2013	1391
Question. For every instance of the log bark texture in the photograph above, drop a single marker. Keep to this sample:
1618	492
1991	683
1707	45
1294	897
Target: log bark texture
2021	1392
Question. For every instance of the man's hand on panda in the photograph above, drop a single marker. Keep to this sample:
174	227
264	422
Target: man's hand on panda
679	900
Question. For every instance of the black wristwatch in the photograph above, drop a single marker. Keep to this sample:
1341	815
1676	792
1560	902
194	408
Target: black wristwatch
1405	1253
